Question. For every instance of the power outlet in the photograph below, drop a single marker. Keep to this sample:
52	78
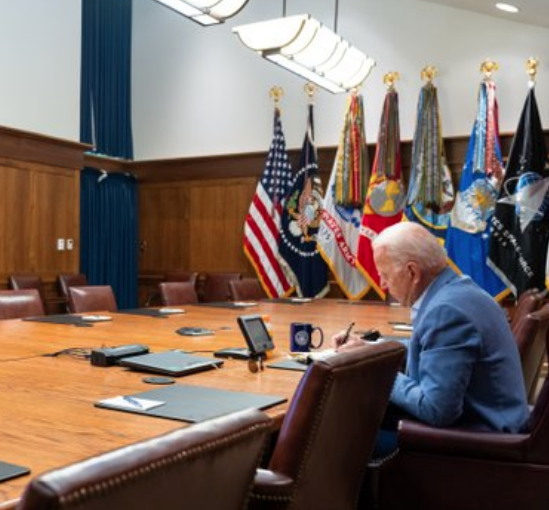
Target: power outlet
60	244
70	244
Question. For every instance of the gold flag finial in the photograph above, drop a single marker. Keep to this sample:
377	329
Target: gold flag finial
390	78
276	94
532	68
428	74
310	89
488	67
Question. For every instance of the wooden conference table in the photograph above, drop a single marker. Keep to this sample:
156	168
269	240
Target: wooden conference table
47	403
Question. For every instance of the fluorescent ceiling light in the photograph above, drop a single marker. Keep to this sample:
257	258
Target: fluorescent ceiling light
205	12
309	49
507	8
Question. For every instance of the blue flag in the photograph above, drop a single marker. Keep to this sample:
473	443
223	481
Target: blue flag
467	238
300	222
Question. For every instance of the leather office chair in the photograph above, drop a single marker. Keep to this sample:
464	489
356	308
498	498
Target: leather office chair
327	436
247	289
92	298
67	280
216	286
27	281
206	466
182	276
451	469
17	304
530	339
177	293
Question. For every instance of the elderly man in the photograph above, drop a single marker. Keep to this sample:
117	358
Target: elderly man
463	366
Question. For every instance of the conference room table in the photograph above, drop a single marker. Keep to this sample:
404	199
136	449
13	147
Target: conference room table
47	407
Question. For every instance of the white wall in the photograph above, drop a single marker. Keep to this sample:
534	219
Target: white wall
40	66
198	91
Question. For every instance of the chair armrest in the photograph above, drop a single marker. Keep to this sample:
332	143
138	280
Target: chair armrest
418	437
271	490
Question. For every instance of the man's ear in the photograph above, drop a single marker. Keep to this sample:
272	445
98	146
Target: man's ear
415	271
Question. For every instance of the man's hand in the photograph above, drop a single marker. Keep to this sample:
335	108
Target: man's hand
353	341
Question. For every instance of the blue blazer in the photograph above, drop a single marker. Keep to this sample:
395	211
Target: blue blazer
463	366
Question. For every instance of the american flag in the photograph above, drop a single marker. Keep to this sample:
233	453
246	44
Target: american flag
262	227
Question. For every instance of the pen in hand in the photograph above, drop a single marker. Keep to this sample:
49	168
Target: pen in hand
347	334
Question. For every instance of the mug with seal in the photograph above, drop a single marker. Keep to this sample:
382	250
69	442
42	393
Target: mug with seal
301	337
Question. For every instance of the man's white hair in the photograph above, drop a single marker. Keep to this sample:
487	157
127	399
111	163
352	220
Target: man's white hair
408	241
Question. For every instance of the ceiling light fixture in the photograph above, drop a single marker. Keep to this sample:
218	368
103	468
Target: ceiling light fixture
205	12
507	8
309	49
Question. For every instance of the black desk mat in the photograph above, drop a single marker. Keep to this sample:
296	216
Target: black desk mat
288	364
229	304
198	403
71	320
151	312
289	301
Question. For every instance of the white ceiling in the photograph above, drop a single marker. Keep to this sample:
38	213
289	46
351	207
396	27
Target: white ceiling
534	12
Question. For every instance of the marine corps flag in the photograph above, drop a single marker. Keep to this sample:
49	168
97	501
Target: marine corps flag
342	212
262	226
385	197
520	225
299	224
430	192
467	238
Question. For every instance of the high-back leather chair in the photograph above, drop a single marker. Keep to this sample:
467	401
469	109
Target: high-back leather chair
530	338
329	431
206	466
216	286
247	289
177	293
181	276
17	304
92	298
67	280
27	281
453	469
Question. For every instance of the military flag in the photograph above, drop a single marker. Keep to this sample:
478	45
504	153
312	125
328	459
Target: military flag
385	196
343	203
467	238
262	225
520	224
430	191
300	220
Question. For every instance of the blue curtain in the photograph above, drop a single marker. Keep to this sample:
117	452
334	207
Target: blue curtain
108	212
109	248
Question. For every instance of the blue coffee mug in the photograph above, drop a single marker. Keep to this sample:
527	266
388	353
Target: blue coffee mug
301	337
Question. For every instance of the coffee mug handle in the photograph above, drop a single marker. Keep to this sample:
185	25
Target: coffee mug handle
316	328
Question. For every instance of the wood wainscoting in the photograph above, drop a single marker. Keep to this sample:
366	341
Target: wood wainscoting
40	183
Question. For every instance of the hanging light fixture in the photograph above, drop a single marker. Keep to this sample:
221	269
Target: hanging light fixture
206	12
308	48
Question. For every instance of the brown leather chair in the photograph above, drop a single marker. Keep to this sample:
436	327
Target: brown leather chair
67	280
17	304
454	469
247	289
177	293
182	276
206	466
216	286
329	431
528	302
27	281
92	298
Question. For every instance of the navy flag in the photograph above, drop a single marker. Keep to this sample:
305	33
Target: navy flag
300	222
520	225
